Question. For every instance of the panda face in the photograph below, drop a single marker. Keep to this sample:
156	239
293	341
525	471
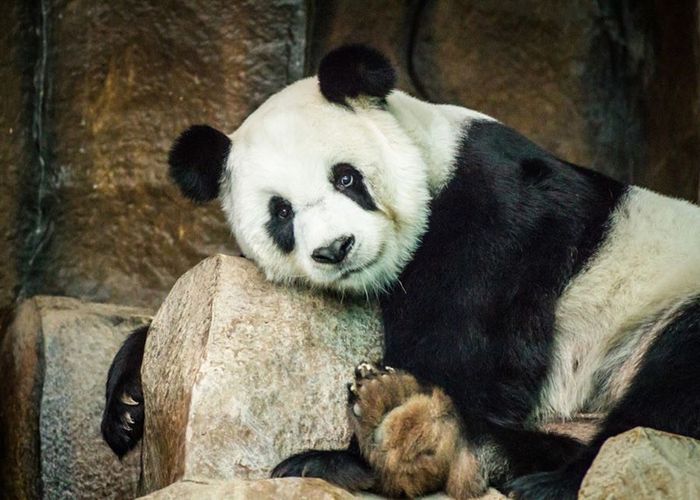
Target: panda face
330	195
329	181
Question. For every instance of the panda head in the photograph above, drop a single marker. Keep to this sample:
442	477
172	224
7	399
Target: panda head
320	184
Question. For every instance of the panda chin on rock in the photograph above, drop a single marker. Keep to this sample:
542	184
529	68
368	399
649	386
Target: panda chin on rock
515	288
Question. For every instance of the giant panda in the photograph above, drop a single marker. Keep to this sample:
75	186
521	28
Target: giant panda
515	287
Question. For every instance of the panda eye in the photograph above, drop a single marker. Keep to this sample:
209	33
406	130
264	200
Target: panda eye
345	181
284	212
281	208
343	176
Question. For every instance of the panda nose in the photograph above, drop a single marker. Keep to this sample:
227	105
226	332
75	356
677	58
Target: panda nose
335	252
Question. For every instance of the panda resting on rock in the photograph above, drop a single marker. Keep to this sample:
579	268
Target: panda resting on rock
515	288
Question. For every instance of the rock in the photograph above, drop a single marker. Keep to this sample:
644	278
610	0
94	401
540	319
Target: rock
273	489
54	358
645	463
239	373
267	489
126	78
15	138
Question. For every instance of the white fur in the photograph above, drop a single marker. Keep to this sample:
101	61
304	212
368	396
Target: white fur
609	314
287	148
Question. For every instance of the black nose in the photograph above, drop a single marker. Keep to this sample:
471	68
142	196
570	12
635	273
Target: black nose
335	252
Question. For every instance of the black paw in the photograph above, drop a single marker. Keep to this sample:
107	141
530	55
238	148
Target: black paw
122	420
342	468
557	485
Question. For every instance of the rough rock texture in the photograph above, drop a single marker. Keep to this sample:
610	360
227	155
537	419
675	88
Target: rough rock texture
127	77
269	489
239	373
54	359
645	463
272	489
673	109
15	129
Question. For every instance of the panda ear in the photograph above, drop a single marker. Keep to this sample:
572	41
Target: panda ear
197	161
355	70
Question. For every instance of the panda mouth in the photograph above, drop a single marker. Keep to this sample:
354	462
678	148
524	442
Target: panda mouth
349	272
346	273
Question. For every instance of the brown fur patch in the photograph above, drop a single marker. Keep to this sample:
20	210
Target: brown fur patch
410	435
582	427
466	479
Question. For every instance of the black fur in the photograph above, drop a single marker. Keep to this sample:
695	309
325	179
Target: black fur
197	161
357	192
355	70
500	247
281	230
345	468
124	377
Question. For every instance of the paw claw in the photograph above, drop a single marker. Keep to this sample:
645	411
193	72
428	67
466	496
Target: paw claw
365	370
129	419
357	410
128	400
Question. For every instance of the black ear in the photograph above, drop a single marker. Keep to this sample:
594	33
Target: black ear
197	161
355	70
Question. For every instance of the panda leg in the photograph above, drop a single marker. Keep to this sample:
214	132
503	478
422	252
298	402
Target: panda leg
344	468
122	420
664	395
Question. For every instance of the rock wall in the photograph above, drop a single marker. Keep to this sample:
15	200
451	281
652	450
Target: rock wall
121	80
54	361
16	57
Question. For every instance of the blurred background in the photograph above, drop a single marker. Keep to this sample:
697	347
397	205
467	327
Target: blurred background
93	93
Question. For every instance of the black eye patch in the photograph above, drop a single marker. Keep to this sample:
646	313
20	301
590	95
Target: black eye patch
348	180
280	227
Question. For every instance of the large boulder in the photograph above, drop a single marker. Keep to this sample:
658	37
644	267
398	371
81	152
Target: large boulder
54	359
645	463
239	373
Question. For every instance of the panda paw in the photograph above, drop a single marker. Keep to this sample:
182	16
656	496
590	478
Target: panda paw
376	391
123	417
122	420
407	432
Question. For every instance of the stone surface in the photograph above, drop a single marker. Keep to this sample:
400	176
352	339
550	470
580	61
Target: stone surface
673	109
15	130
54	358
273	489
269	489
645	463
239	373
127	77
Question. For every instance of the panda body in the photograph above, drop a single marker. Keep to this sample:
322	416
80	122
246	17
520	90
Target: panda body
526	288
